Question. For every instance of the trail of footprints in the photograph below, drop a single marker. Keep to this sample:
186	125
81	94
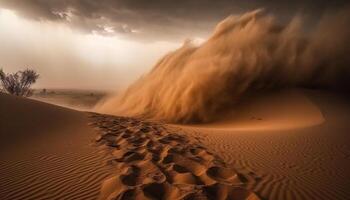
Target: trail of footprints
153	162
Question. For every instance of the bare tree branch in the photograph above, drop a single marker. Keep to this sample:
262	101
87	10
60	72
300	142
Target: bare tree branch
18	83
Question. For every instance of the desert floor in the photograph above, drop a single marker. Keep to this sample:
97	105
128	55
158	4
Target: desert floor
51	152
291	144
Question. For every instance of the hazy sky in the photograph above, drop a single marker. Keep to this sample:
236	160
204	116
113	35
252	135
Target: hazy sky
108	43
66	58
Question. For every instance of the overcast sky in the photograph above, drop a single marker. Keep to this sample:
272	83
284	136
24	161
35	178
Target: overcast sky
108	43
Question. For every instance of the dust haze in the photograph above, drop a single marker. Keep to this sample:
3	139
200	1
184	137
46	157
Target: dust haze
66	58
246	53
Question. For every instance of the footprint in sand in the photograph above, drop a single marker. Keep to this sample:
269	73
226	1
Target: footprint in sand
155	163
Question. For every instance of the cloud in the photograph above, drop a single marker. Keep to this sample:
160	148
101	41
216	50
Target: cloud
149	19
69	59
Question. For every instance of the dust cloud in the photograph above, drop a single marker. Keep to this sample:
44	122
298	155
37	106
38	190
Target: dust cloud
246	53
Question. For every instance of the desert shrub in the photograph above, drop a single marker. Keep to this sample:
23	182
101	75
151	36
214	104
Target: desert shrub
18	83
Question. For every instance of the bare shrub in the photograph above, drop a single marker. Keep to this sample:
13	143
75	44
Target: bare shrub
18	83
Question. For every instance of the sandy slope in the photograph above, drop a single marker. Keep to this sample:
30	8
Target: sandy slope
286	145
275	110
50	152
297	161
46	152
153	161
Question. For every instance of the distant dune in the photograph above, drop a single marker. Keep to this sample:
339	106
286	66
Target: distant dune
83	100
274	110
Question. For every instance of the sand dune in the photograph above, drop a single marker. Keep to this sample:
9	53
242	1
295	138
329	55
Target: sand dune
46	152
275	110
282	145
289	163
82	100
50	152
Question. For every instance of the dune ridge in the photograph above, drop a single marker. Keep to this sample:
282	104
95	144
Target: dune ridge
154	162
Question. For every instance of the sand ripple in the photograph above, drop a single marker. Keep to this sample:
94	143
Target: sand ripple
53	169
153	162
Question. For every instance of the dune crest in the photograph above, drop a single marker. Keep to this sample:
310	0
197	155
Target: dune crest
245	53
